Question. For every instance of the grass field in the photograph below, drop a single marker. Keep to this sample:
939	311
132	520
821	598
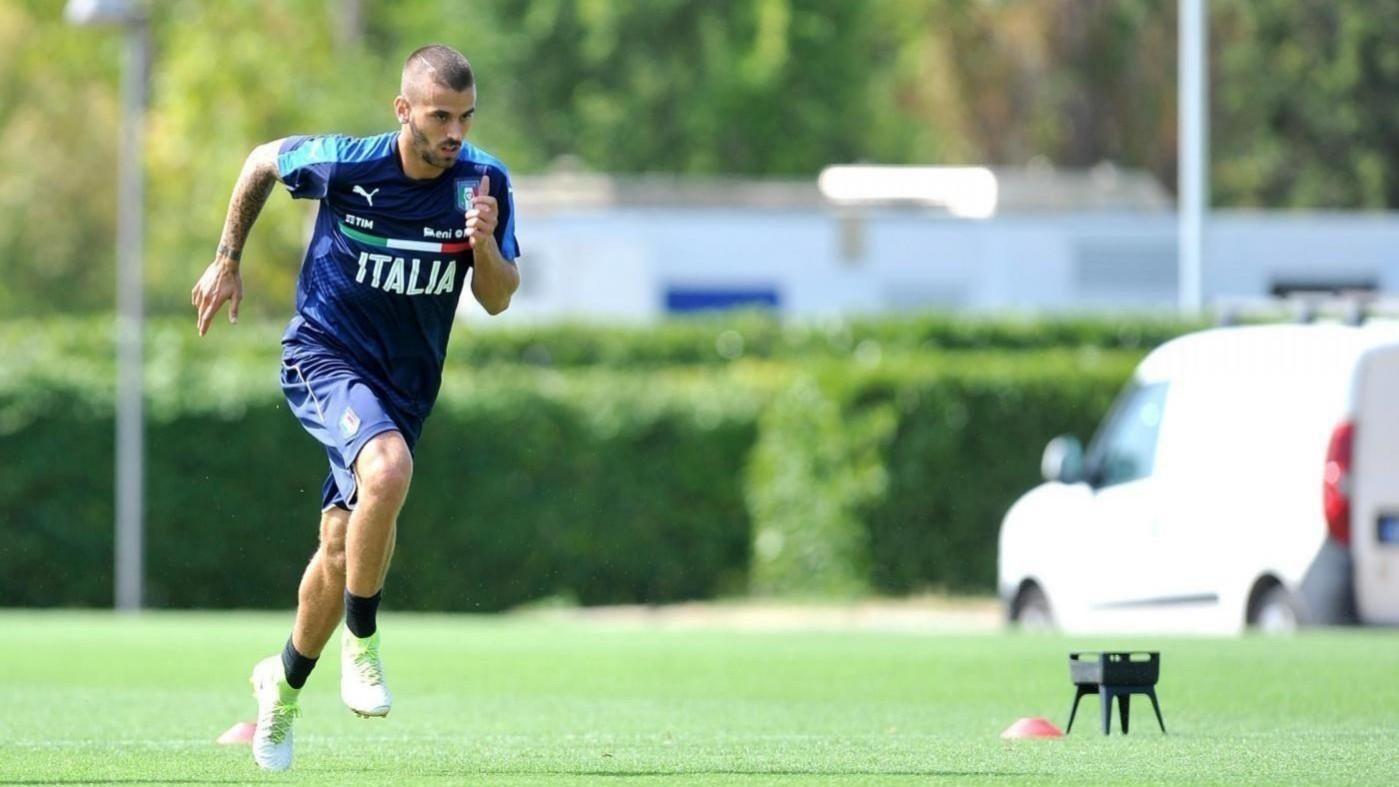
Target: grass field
90	697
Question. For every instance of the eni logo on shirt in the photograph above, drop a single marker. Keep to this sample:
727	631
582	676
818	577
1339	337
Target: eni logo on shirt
406	276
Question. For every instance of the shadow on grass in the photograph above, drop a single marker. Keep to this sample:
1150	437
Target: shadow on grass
651	774
760	772
927	774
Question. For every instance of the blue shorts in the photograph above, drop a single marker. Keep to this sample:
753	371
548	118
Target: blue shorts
338	405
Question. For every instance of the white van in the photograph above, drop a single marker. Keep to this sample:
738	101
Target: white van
1246	476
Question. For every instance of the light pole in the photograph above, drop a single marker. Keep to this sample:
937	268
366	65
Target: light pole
130	472
1193	156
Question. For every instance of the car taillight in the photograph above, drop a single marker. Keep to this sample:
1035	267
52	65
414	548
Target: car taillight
1335	489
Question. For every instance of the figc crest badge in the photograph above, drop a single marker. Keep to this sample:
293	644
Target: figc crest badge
466	188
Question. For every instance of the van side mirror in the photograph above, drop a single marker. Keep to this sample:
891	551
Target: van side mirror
1063	460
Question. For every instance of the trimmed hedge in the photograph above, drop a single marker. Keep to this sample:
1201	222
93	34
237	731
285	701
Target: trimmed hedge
703	340
729	337
966	446
894	477
816	468
527	485
884	470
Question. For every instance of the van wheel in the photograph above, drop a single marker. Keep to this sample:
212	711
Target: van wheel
1030	610
1275	612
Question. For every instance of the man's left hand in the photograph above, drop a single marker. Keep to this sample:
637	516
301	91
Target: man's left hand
485	212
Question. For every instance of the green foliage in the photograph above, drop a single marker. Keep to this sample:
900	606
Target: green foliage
528	484
805	466
700	87
730	338
55	503
606	488
175	353
814	471
968	442
59	110
894	475
1071	84
1319	129
1302	92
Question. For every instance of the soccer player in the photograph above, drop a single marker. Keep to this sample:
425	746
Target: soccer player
403	216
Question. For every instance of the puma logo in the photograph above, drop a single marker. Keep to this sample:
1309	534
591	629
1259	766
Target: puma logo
368	195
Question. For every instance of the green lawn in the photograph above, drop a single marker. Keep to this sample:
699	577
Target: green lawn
95	697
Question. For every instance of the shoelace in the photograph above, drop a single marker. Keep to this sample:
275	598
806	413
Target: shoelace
280	720
369	666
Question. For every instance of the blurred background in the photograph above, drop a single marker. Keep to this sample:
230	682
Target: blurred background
755	352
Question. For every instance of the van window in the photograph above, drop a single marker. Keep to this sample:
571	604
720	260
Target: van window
1125	449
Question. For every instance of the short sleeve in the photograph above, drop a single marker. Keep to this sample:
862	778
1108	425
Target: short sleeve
306	164
505	228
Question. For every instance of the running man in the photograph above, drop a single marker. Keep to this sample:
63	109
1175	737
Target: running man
403	215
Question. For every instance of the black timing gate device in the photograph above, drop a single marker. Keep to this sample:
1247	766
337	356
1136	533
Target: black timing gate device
1115	675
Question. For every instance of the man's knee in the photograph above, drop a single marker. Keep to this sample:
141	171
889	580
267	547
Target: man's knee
385	467
334	523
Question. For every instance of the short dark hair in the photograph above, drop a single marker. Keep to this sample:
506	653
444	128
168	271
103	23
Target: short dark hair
447	66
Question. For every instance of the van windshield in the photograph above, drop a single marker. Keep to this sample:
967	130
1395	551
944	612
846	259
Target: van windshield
1125	447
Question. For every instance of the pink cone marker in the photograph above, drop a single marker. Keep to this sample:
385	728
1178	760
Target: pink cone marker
1032	727
242	732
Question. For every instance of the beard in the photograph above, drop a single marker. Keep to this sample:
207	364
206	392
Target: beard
427	151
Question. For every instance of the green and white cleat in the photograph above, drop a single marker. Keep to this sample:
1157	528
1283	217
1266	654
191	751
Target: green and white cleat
276	708
362	685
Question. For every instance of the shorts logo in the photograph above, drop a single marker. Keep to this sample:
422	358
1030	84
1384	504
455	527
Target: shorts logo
466	188
349	423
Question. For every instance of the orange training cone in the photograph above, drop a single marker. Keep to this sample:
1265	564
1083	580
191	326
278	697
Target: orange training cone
1032	727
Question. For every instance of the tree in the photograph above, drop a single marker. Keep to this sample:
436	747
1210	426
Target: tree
58	144
1304	94
1306	104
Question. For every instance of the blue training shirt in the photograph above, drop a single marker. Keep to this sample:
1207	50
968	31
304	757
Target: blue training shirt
388	258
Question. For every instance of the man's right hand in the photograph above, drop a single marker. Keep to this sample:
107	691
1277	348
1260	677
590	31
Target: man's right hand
221	282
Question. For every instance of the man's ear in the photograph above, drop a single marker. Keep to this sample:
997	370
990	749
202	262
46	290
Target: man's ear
401	108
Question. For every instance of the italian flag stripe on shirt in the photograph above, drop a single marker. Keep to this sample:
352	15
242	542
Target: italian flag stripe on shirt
406	245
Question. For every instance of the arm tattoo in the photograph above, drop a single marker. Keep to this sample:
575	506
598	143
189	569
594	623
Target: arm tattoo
249	195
